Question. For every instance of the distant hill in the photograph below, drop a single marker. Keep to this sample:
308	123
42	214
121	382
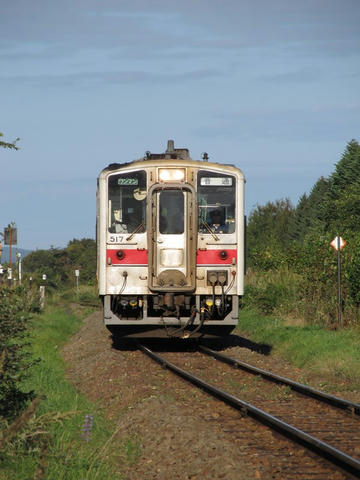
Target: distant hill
15	250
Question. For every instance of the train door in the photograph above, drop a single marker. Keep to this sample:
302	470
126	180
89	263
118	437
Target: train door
172	251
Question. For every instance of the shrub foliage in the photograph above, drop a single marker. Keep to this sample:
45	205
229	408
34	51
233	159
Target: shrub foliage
15	307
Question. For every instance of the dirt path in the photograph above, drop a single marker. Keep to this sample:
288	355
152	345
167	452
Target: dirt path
182	432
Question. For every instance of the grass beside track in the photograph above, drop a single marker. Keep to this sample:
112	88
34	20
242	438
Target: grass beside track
333	355
52	445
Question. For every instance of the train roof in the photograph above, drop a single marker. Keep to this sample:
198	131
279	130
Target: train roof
171	155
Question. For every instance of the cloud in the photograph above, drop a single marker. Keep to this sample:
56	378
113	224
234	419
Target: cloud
94	79
35	52
299	75
161	24
293	124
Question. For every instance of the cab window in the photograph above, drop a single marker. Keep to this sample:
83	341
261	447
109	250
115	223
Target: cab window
127	202
216	202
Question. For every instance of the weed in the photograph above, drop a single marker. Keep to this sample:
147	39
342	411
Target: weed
132	449
321	351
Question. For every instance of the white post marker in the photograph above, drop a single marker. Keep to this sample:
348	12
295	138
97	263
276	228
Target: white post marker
42	297
338	244
77	274
42	293
19	266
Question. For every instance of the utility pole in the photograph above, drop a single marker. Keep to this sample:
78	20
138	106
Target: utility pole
10	235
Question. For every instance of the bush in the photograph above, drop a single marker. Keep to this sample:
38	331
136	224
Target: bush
306	286
265	299
273	290
15	308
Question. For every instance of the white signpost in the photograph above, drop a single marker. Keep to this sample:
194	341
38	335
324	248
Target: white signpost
19	267
338	244
42	293
77	274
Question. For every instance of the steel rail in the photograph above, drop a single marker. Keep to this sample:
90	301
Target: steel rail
299	387
332	454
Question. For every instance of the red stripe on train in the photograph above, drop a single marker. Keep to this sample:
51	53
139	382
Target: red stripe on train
127	257
140	257
216	257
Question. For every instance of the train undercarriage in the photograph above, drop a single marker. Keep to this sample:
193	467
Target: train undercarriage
170	315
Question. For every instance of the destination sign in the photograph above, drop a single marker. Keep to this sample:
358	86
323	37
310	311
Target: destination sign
216	181
128	181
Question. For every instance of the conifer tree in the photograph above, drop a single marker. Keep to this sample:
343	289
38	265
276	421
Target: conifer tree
342	203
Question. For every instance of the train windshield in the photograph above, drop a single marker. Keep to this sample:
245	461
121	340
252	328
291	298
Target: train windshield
127	202
216	202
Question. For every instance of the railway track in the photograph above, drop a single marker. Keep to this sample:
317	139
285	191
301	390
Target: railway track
322	419
351	407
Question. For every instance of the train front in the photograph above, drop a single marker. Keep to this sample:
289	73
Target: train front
170	239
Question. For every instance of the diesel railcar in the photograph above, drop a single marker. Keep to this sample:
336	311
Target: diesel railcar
170	245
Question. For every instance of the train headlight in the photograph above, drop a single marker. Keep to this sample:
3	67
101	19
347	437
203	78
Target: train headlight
133	303
218	302
209	302
171	174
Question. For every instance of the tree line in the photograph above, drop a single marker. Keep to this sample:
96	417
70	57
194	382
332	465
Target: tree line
297	238
59	264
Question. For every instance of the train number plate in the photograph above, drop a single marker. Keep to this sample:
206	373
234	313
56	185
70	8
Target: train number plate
116	238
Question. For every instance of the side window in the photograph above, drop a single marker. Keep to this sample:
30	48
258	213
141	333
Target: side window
127	202
216	202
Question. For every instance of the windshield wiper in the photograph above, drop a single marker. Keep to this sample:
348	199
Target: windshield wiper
136	230
207	226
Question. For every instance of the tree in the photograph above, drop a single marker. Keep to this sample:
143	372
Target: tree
60	264
346	170
341	207
268	233
9	145
309	212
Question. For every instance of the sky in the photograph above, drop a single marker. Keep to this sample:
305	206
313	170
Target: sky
269	86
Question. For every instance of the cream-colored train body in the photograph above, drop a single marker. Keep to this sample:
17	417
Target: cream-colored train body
170	245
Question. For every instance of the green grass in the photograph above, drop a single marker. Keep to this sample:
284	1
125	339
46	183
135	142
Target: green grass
85	295
51	444
312	347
